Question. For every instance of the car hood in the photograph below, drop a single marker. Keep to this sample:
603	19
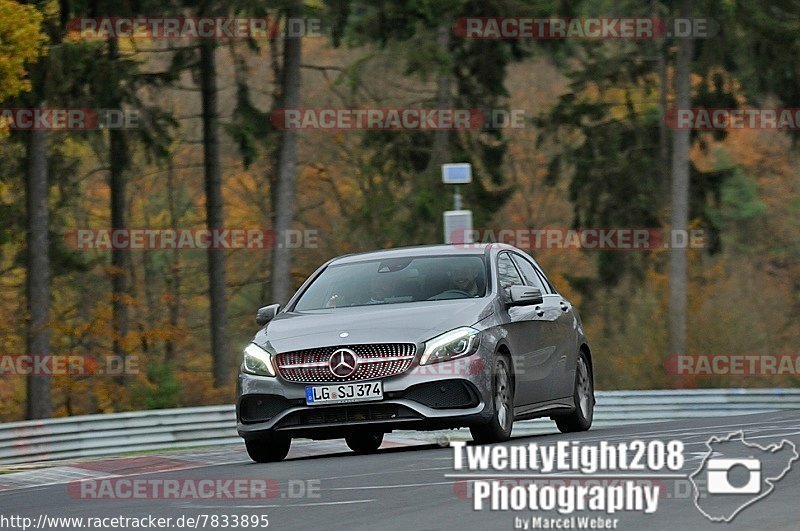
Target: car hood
395	323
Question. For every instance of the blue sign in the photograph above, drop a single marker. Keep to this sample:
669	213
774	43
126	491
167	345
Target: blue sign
457	173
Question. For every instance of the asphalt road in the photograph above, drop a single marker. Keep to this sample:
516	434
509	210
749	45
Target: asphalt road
407	488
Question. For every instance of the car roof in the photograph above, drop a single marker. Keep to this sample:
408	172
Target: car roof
421	250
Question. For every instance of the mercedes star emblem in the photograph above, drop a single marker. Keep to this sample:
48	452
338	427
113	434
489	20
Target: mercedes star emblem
343	363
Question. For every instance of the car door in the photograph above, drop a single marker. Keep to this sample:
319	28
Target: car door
566	337
543	355
531	337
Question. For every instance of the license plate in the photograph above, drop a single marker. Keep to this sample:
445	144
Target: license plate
343	393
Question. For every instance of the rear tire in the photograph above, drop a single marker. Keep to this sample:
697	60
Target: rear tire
364	442
270	449
581	418
498	429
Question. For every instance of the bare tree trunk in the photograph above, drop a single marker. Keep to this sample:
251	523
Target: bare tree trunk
663	137
678	263
215	218
440	151
39	400
118	164
276	66
287	162
173	279
149	282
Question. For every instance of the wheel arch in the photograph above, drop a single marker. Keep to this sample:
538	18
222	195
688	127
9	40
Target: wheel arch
504	350
586	350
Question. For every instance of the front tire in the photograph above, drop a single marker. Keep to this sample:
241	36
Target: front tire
364	442
270	449
498	429
581	418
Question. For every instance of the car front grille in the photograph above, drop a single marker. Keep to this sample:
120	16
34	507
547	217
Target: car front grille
373	361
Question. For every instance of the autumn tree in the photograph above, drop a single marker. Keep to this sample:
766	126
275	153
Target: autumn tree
23	41
286	174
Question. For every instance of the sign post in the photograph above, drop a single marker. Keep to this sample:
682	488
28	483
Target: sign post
457	222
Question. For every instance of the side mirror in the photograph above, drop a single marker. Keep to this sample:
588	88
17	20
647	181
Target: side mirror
525	295
267	314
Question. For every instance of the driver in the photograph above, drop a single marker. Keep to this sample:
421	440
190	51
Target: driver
465	277
381	288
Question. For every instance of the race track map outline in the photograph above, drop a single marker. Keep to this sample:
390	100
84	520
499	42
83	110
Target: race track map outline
737	441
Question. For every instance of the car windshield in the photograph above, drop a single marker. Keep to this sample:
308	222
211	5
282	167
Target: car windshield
396	280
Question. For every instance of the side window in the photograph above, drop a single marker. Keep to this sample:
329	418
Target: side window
507	274
532	277
546	280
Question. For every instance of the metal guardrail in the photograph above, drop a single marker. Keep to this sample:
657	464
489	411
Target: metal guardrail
96	435
619	408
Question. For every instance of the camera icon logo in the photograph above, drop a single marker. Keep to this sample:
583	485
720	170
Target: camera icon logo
719	476
736	473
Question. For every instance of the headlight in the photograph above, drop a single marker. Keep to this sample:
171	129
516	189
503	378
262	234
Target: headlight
450	345
258	361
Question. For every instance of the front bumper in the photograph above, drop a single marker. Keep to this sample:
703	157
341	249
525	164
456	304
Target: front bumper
444	395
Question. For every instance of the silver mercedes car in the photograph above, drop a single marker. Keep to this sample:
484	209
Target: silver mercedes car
418	338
